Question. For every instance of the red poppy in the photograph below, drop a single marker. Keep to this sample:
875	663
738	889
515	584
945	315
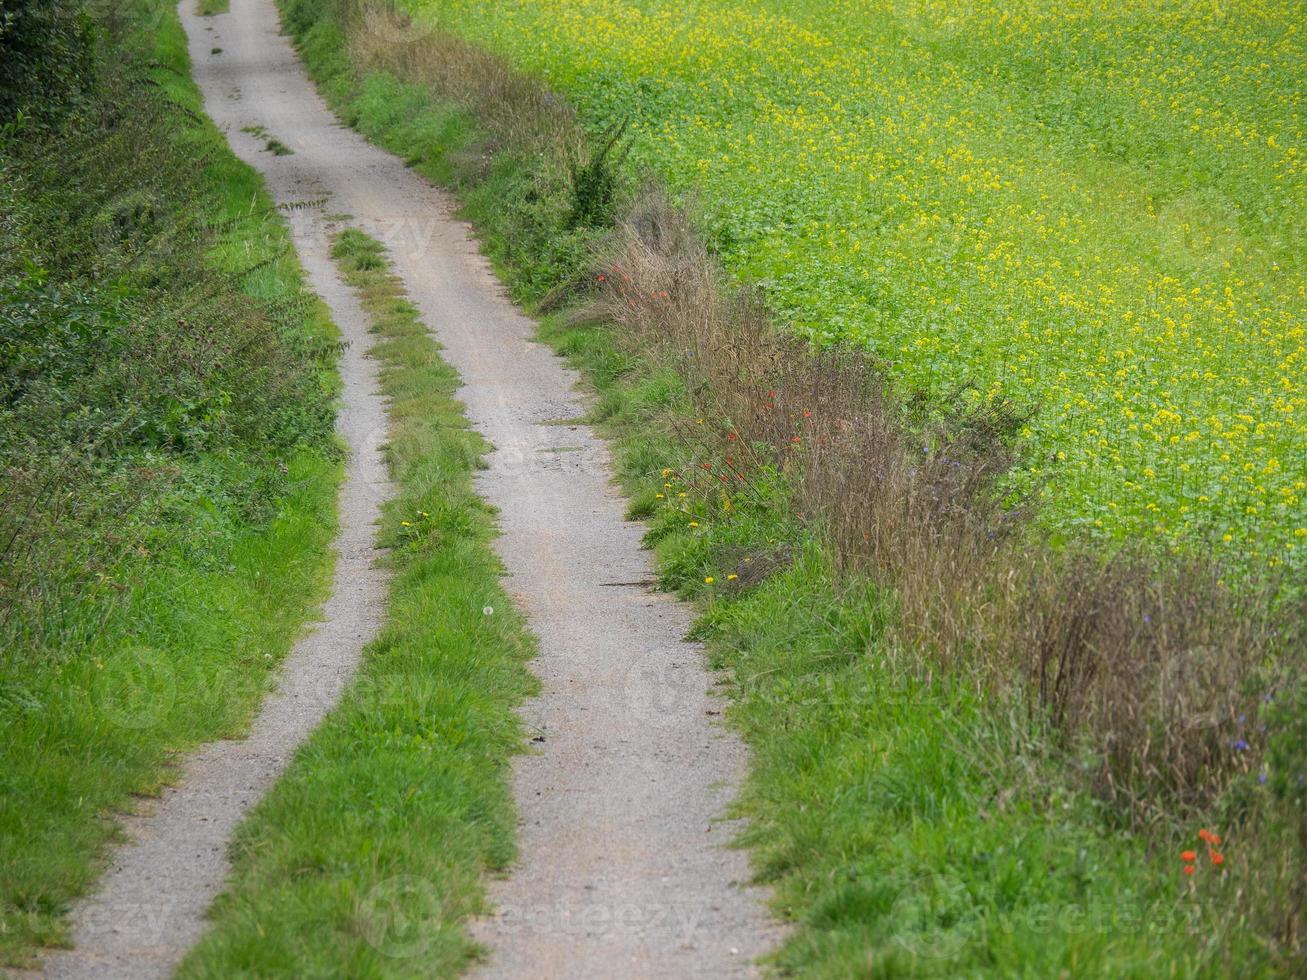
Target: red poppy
1218	857
1188	869
1188	856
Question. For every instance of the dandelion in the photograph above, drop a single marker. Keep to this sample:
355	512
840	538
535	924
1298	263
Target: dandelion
708	580
694	524
732	577
488	611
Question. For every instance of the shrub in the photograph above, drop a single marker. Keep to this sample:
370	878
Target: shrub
47	56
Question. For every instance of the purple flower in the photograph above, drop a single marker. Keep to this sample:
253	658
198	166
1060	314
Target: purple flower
1241	745
1261	778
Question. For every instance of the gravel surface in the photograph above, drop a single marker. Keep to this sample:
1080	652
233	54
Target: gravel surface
624	866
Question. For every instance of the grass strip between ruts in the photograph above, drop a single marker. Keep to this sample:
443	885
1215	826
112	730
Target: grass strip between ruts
370	851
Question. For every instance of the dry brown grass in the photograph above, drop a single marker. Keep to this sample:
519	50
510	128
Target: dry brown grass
512	109
1145	662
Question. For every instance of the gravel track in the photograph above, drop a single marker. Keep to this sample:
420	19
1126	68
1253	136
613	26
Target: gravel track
624	867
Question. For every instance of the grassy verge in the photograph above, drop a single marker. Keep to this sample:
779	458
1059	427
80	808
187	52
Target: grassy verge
369	853
918	813
147	602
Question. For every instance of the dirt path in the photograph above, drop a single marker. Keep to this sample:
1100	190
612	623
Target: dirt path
149	909
624	870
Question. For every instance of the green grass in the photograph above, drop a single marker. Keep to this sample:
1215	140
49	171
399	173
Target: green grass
1092	210
173	642
912	823
370	851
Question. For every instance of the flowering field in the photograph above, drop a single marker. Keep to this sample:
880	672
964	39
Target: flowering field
1093	209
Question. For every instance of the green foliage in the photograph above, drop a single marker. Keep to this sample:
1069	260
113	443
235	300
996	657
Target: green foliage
1094	210
47	56
1285	718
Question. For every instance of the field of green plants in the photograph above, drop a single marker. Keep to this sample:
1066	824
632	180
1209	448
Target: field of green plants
1094	211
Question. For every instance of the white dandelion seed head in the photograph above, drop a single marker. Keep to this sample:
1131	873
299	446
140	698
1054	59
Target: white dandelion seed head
488	611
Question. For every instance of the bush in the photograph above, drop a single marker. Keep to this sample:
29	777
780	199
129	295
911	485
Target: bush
47	56
134	377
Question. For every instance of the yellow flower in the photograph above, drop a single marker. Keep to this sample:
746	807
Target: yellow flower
731	578
708	580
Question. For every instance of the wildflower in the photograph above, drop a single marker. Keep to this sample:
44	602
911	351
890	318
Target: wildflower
708	581
1188	869
732	577
405	523
1217	858
1241	746
1188	855
488	611
601	277
694	524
